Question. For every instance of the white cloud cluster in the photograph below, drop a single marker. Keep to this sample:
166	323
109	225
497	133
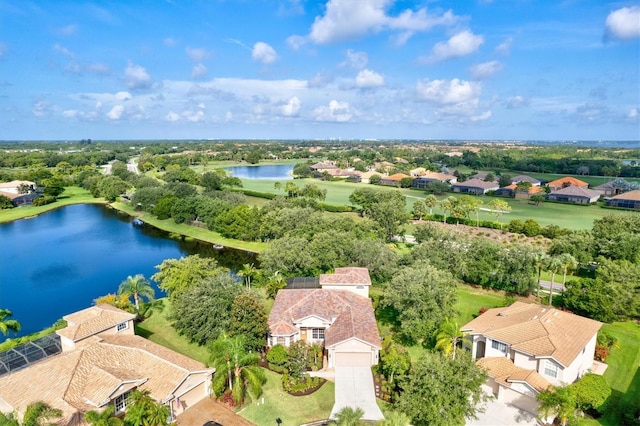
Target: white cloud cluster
136	77
357	60
460	44
349	19
633	113
291	108
262	52
448	91
623	24
368	79
336	111
199	71
197	54
517	102
485	70
116	112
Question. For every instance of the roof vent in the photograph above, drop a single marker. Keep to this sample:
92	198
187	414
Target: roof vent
535	317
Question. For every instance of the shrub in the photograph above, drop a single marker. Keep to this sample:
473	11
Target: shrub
601	354
46	199
278	356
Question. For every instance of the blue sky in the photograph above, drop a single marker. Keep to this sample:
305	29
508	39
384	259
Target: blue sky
473	69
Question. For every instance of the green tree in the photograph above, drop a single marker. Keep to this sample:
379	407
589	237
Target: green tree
236	370
53	186
212	181
497	208
591	298
472	205
103	418
247	272
375	179
365	198
40	414
349	416
389	213
537	199
554	265
591	391
505	180
164	206
419	209
568	263
275	283
448	205
438	188
249	319
406	182
448	337
441	391
291	189
138	287
313	192
559	402
177	275
301	170
6	323
111	187
204	321
423	296
541	259
143	410
430	201
5	202
395	361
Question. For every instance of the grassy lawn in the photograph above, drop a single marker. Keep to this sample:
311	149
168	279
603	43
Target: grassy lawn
471	299
292	410
158	329
71	195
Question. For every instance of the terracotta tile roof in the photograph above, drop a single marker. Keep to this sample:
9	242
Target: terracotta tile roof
347	276
93	320
351	314
505	372
568	180
531	190
631	195
324	165
84	378
577	191
536	330
477	183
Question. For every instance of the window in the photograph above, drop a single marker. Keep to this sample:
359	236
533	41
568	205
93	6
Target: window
121	402
318	333
550	368
502	347
122	326
280	340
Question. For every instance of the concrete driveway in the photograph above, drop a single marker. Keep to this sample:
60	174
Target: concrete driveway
498	413
354	388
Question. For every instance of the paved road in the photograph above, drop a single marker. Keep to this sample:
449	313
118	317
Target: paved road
354	388
557	286
132	166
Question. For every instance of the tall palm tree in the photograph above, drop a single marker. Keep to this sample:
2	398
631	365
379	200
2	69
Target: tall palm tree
143	410
559	402
430	201
569	263
276	282
448	336
7	324
348	416
395	418
247	271
103	418
541	259
236	369
39	413
554	265
137	286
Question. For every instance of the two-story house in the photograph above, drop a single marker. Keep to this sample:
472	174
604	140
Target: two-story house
339	316
525	348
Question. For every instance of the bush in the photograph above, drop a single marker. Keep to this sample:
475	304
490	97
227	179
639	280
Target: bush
295	385
251	193
335	209
46	199
601	353
278	356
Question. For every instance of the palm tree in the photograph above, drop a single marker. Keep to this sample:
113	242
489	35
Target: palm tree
541	259
236	369
137	286
430	201
104	418
448	336
395	418
143	410
39	413
7	324
276	282
560	402
247	272
348	416
569	263
447	205
554	265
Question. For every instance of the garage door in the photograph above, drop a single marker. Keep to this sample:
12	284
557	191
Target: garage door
350	359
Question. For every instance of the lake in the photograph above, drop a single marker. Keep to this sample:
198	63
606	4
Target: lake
269	171
60	261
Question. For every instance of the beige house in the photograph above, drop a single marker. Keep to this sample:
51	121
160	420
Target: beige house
13	187
338	316
525	348
101	363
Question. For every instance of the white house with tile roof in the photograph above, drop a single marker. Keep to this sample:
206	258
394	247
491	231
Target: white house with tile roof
101	363
525	348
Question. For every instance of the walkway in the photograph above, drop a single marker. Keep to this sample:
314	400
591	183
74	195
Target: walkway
354	388
497	413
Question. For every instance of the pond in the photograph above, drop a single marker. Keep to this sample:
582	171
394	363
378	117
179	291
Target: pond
59	262
269	171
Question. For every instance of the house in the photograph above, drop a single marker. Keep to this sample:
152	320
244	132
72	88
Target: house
393	180
481	175
523	178
17	187
628	200
575	195
101	362
513	192
423	180
323	166
365	176
474	186
566	181
608	189
525	348
338	316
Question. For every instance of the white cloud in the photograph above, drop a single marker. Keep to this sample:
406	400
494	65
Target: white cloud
68	30
264	53
481	117
194	116
172	116
169	42
485	70
199	71
291	108
517	102
137	77
633	113
116	112
70	113
505	47
122	96
197	55
357	60
461	44
623	24
336	111
295	42
367	78
349	19
98	69
61	50
319	80
41	108
448	91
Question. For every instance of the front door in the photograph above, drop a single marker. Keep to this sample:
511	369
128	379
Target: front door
480	346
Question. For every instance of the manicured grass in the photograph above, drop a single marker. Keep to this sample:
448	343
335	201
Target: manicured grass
591	180
191	231
158	329
471	299
71	195
292	410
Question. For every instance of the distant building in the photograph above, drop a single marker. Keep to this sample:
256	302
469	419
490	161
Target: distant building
575	195
393	180
523	178
474	186
628	200
566	181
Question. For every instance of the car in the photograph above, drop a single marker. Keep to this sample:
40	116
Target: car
211	423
